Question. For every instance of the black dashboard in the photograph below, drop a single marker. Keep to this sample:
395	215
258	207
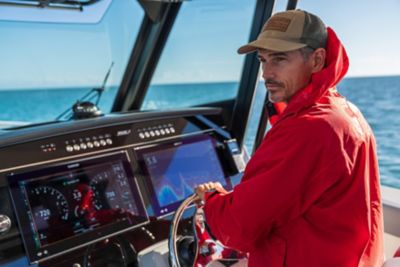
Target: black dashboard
68	187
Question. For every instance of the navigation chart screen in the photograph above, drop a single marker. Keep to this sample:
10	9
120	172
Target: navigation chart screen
175	169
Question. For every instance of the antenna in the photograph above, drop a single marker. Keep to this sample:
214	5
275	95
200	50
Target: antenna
103	86
83	108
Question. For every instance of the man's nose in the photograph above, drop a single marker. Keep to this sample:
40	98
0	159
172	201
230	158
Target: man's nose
267	72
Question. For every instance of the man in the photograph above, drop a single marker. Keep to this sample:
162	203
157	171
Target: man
310	195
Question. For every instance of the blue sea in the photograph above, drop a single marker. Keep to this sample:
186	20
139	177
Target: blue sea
377	97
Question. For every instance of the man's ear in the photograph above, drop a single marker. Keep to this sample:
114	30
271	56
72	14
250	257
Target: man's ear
318	59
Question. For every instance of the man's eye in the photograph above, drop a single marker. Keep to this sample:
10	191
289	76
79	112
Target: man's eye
261	59
279	59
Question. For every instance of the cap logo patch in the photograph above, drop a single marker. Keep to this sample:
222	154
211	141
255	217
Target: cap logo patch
277	24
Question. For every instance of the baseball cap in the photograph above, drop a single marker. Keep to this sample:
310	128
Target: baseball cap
289	30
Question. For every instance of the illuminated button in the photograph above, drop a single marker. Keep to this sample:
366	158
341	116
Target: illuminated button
167	131
96	143
83	146
77	147
69	148
147	134
141	135
172	129
157	132
109	141
162	131
152	133
103	142
39	254
89	144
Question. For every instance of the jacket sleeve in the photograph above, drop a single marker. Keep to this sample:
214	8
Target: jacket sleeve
289	172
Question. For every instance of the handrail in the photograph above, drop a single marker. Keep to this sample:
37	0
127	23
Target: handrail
391	210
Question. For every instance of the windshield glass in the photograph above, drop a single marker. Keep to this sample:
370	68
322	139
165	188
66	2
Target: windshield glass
48	65
199	63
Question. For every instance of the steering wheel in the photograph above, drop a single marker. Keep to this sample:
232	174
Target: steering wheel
231	258
173	231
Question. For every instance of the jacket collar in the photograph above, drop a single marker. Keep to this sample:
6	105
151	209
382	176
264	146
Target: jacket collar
337	64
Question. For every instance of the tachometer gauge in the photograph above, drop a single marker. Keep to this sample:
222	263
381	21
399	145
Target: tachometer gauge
48	205
103	193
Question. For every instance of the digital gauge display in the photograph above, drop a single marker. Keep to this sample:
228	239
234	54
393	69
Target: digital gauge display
68	205
173	170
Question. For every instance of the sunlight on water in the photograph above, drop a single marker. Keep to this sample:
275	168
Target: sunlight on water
377	98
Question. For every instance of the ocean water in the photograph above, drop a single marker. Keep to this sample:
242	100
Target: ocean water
377	97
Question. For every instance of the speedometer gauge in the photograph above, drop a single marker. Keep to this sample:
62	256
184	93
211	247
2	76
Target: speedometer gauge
48	205
72	204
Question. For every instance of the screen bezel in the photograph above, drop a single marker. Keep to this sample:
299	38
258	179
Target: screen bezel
162	211
59	247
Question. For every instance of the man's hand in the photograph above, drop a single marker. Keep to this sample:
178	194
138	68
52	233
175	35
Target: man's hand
207	187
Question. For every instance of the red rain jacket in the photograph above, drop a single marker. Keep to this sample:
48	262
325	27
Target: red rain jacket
310	195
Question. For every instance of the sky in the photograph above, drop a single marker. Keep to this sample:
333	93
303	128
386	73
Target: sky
368	29
202	46
51	55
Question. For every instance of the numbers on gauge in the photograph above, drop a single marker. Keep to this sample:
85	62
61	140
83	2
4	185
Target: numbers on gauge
77	195
99	185
48	203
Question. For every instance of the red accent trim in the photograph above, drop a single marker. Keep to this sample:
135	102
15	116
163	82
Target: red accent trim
397	253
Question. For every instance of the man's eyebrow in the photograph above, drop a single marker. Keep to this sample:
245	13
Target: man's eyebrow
277	54
273	54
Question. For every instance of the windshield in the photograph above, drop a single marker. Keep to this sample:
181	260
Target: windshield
199	63
55	56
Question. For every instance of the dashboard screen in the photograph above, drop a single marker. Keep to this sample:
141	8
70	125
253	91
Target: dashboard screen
173	170
75	203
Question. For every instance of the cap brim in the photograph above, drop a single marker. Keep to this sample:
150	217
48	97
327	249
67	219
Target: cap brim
270	44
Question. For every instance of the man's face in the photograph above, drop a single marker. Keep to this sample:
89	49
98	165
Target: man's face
284	73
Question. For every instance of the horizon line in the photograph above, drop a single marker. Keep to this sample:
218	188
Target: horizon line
76	87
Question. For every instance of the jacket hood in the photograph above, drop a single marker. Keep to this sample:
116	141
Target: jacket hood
336	66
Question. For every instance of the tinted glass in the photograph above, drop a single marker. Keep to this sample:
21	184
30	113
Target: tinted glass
199	63
50	58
